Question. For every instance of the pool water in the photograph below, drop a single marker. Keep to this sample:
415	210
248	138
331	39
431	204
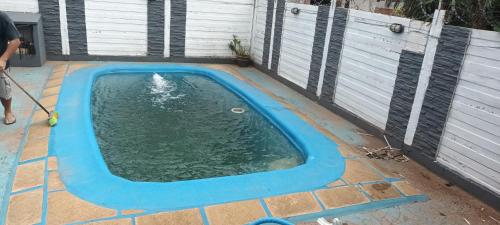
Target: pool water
181	126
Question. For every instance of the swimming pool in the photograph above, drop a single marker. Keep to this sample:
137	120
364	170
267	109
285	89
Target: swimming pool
84	171
162	127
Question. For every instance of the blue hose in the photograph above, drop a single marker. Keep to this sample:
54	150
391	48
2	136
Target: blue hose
271	220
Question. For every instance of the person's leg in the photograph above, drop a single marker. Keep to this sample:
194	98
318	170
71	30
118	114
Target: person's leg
7	105
6	99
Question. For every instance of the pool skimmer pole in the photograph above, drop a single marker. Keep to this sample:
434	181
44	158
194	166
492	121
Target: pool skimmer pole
53	116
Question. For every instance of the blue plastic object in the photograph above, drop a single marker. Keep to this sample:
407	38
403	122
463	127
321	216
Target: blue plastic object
270	221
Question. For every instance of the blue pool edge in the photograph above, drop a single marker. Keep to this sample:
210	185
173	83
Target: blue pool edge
85	174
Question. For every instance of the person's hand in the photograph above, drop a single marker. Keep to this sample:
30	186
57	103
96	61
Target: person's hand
3	64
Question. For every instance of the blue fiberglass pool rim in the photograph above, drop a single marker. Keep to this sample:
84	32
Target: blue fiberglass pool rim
85	174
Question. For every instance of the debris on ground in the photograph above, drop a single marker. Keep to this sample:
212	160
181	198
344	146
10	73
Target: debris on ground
381	186
387	142
494	219
387	152
365	134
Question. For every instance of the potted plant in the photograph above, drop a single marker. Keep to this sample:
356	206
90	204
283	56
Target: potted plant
242	53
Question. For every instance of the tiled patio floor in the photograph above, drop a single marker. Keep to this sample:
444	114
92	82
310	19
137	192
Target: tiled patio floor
38	195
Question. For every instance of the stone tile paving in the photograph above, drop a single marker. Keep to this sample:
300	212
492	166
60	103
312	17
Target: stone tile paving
342	196
33	80
296	204
29	175
242	212
38	195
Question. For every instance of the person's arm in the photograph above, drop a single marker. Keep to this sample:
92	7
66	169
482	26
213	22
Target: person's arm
11	49
12	35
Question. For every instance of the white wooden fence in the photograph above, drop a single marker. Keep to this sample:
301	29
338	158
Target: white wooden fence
30	6
369	62
211	24
297	43
471	140
258	32
116	27
119	27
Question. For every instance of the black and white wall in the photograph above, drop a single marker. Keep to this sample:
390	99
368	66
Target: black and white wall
432	90
347	59
139	29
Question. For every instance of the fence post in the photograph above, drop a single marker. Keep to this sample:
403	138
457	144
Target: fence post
425	73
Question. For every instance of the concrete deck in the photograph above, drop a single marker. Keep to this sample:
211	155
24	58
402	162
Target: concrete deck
36	195
32	79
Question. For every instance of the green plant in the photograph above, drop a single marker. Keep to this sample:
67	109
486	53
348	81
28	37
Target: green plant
493	14
418	9
479	14
398	11
237	48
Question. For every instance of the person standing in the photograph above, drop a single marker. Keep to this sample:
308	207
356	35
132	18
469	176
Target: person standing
9	42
